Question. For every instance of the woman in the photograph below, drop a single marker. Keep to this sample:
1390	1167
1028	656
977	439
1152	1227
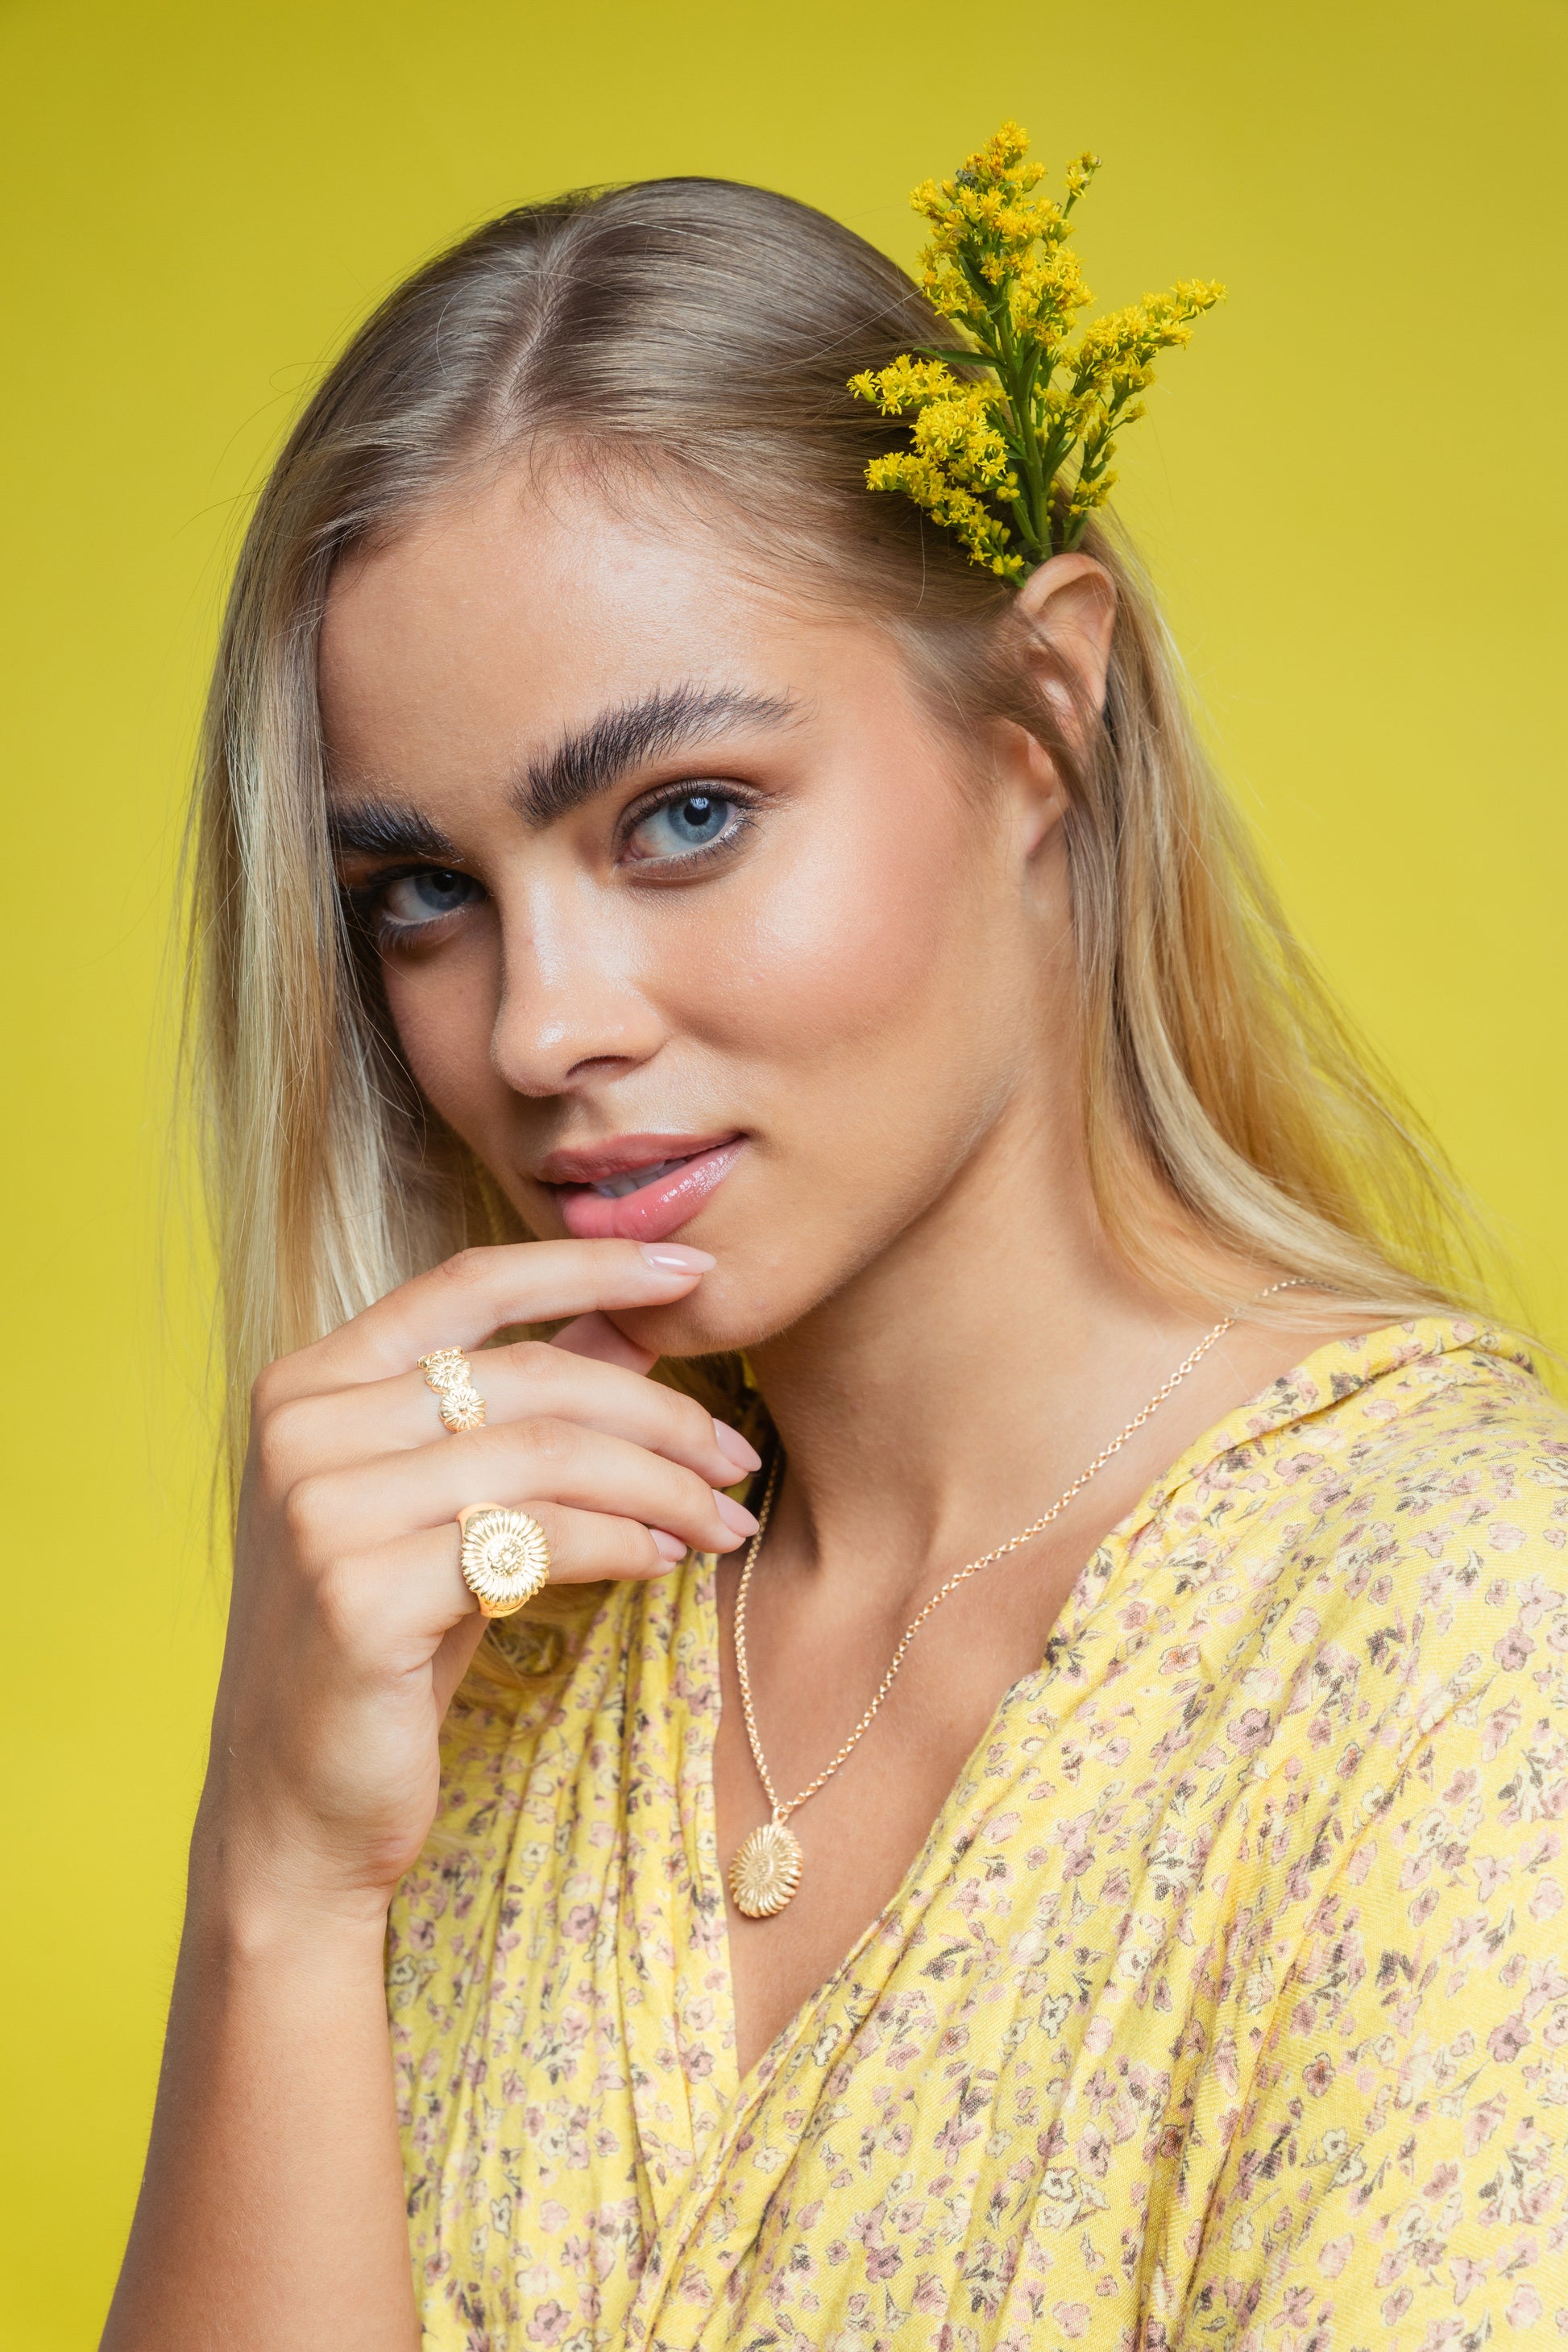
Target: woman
656	889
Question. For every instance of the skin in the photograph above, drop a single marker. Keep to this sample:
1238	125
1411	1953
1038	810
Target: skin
869	979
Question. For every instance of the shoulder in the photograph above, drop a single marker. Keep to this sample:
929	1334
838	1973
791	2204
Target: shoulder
1390	1523
1415	1526
1462	1445
1427	1440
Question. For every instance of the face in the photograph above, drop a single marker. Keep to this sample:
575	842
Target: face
693	920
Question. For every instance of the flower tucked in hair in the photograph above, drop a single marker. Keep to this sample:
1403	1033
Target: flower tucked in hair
990	454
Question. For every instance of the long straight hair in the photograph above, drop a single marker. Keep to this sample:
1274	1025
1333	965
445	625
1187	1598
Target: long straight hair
694	337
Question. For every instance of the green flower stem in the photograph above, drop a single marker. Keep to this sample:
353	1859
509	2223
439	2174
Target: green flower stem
1013	376
1041	481
994	463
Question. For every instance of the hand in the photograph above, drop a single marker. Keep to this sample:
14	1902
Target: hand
350	1625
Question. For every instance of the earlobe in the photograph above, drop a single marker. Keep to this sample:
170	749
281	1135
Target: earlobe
1069	607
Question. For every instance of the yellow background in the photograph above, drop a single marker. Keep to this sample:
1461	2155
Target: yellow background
1350	487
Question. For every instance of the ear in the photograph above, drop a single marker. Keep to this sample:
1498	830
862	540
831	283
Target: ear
1069	612
1069	606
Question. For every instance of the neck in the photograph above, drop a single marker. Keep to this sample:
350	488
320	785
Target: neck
956	1386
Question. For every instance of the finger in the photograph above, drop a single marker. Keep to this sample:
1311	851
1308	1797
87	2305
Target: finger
595	1335
585	1546
395	1604
526	1463
454	1657
523	1381
462	1302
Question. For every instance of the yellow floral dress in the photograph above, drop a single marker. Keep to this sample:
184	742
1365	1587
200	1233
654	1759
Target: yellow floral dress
1224	2006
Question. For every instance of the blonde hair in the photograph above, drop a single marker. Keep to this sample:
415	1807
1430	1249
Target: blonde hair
699	335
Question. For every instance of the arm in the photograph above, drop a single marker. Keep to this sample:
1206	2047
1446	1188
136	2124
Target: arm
272	2213
271	2210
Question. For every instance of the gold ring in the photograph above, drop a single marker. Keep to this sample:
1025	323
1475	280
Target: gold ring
505	1559
448	1373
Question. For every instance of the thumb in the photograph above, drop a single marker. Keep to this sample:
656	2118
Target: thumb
595	1335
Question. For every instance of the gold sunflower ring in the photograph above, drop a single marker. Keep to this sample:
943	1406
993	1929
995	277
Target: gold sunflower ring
449	1371
505	1559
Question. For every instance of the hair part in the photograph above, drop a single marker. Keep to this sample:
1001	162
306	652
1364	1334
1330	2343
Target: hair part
700	333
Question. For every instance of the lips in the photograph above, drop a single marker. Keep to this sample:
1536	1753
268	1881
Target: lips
639	1187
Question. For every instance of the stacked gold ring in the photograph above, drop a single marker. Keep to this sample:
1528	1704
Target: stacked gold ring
459	1403
503	1554
505	1559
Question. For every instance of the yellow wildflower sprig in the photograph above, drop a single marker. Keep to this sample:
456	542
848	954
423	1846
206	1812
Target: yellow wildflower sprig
1015	454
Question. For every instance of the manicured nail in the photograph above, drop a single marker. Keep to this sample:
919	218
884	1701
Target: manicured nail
734	1448
735	1515
669	1257
670	1546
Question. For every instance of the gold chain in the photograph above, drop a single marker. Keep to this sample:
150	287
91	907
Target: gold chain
781	1811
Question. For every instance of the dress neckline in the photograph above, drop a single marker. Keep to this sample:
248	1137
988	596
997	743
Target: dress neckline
1326	1378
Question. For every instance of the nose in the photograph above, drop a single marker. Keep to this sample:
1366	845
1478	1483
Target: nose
572	1006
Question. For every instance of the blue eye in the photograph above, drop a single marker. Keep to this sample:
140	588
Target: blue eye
426	897
695	821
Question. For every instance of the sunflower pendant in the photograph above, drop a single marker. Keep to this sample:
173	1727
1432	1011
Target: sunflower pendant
766	1870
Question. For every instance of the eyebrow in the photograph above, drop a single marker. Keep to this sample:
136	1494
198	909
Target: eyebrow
589	760
382	829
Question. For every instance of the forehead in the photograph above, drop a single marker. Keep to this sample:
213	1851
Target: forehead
495	622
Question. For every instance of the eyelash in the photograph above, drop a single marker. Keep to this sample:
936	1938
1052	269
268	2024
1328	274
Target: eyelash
366	903
367	900
671	796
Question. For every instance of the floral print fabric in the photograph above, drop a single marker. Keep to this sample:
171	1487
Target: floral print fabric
1226	2005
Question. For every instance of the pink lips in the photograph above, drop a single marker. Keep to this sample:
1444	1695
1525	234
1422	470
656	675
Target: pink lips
654	1210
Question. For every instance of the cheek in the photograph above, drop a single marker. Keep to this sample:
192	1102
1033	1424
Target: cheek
871	1013
444	1012
860	946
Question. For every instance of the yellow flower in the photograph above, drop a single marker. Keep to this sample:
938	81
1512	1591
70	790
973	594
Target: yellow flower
959	434
932	488
904	384
1033	433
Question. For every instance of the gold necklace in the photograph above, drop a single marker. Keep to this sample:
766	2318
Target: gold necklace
766	1872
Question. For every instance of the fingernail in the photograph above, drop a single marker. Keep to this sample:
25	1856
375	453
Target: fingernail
735	1515
669	1257
734	1448
670	1546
